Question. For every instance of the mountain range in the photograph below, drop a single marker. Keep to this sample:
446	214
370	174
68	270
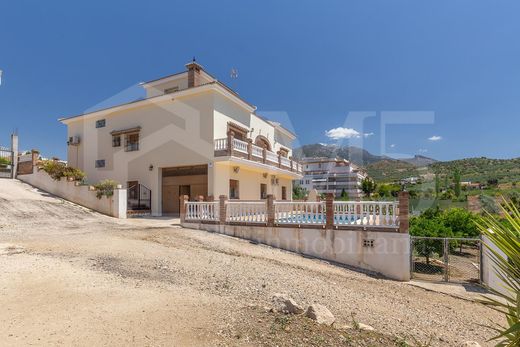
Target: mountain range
385	169
356	155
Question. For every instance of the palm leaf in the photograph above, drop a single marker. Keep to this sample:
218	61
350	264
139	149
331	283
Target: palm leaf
505	235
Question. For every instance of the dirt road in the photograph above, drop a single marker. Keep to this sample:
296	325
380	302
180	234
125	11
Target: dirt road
69	276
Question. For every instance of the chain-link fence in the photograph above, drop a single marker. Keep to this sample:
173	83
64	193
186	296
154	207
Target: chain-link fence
446	259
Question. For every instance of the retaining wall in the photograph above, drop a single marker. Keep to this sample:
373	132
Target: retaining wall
114	206
384	252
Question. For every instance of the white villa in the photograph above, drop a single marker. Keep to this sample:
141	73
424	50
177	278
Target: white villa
191	135
332	175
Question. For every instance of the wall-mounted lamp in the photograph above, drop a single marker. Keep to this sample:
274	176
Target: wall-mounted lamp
264	175
236	169
150	167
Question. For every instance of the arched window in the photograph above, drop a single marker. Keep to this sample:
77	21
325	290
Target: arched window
263	142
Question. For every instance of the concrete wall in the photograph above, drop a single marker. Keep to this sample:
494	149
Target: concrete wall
389	257
489	274
114	206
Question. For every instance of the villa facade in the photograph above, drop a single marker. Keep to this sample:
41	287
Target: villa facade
191	135
332	175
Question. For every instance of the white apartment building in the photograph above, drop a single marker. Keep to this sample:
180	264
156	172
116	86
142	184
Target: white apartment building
330	175
191	135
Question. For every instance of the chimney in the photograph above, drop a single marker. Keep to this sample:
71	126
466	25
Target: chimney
193	73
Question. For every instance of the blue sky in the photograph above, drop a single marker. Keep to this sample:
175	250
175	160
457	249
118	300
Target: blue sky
316	65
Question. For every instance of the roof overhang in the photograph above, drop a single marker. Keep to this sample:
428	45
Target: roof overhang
212	86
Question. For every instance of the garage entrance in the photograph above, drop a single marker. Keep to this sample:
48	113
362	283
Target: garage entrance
182	180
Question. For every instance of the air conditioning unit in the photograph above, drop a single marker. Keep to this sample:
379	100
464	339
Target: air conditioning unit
73	141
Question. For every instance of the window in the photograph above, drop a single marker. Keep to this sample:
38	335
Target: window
131	142
100	123
284	193
100	163
171	90
116	141
263	191
233	189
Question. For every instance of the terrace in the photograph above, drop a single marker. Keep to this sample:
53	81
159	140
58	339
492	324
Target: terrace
364	215
235	148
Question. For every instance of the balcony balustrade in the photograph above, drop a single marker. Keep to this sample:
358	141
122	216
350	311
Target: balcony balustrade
247	150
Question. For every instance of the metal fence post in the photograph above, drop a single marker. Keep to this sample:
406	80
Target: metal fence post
412	263
446	260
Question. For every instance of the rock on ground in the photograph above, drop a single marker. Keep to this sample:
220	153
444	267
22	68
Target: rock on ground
320	314
365	327
286	304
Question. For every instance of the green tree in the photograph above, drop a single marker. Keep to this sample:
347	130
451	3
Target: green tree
344	195
437	185
368	186
456	182
426	226
299	193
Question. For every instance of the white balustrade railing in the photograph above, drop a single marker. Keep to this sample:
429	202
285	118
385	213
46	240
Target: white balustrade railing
221	144
366	213
246	211
292	212
202	211
240	146
257	151
273	157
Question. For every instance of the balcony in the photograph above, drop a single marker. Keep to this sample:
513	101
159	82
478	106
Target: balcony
232	147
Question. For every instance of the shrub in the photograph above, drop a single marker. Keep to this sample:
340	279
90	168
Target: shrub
57	170
4	161
105	188
75	174
54	169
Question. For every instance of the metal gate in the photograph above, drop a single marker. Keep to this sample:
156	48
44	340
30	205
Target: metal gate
446	259
6	165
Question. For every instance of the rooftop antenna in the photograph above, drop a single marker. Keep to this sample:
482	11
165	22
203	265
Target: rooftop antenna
234	76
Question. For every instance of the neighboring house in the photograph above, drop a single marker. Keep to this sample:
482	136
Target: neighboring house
410	180
191	135
330	175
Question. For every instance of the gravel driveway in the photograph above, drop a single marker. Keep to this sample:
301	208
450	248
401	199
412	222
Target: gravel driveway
69	276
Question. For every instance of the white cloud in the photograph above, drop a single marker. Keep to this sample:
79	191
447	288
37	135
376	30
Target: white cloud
422	150
368	134
435	138
392	145
342	133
